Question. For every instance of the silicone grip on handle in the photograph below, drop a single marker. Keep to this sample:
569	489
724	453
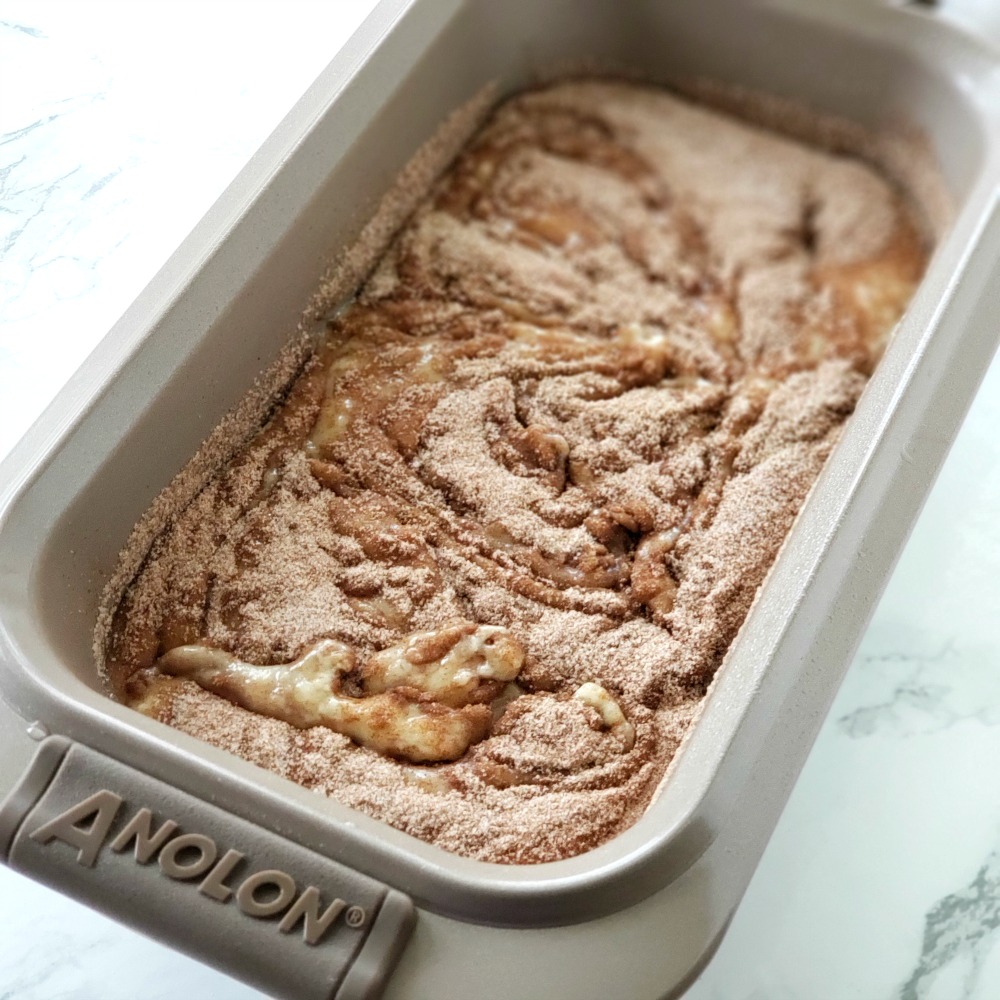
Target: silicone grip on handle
250	902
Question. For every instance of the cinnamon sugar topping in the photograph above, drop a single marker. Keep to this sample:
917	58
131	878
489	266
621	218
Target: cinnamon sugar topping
515	509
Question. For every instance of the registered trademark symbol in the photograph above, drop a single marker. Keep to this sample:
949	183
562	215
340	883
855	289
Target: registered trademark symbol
355	916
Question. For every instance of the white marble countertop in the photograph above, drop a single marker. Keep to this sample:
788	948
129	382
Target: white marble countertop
121	123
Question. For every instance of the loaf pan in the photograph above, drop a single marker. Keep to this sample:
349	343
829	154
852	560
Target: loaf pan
637	916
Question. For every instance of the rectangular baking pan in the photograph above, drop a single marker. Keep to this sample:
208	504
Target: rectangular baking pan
637	916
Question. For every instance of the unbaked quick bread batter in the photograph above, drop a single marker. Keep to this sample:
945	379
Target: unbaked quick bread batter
476	573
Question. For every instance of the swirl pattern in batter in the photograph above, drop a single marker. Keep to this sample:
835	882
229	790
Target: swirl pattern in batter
476	574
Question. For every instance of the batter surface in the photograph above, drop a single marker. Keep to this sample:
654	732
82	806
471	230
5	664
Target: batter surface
476	574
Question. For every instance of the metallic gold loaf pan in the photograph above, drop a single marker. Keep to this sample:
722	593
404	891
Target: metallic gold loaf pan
185	353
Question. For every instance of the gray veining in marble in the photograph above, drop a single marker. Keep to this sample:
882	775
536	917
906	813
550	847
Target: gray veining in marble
959	932
927	688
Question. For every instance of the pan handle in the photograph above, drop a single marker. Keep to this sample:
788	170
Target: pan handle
252	903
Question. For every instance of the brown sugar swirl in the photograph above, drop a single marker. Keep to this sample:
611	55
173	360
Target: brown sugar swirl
477	572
